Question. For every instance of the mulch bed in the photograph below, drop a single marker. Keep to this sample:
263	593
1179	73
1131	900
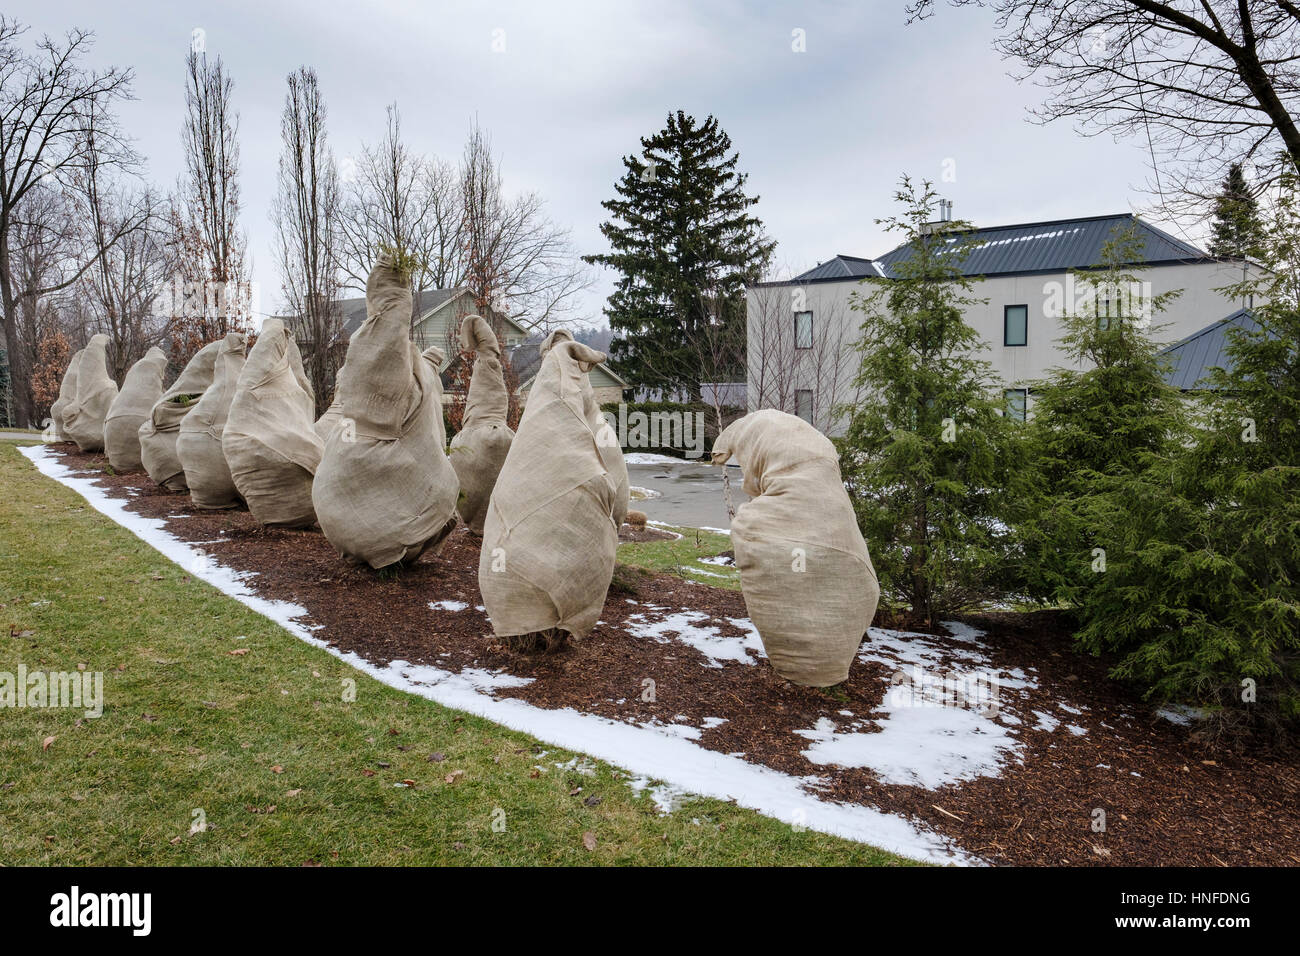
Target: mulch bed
1166	801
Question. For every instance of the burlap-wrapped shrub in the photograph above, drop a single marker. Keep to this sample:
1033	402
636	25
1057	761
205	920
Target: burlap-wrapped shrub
141	390
83	416
160	430
269	440
384	491
480	447
199	443
611	452
550	535
67	389
805	573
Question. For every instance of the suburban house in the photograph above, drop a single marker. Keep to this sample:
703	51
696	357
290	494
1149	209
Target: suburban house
801	332
439	313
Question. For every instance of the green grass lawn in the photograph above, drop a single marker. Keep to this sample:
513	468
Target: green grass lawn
682	557
214	713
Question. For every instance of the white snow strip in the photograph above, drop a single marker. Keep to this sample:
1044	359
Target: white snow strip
680	764
687	628
448	605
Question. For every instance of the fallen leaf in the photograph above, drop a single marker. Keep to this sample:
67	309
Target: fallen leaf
589	840
437	757
238	653
45	744
575	791
451	777
174	840
591	801
293	793
368	773
534	773
277	769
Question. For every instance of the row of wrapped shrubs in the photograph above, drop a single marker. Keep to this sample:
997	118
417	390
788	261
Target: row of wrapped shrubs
376	474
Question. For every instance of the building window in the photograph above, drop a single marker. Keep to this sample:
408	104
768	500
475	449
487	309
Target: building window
1015	324
803	330
803	404
1017	400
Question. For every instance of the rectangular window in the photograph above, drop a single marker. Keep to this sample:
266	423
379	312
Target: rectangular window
1015	324
803	404
803	330
1017	399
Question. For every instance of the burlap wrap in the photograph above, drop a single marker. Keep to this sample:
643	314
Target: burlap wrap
141	390
479	449
269	440
160	430
67	389
550	536
384	491
805	573
199	443
83	416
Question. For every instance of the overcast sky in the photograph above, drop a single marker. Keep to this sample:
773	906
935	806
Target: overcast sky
824	134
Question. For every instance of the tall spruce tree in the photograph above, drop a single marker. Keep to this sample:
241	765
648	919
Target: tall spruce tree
929	457
1238	229
684	244
1092	423
1202	593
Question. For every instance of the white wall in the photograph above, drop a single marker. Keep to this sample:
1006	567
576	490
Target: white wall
1197	306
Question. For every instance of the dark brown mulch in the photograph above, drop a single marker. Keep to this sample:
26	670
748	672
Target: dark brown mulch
1166	802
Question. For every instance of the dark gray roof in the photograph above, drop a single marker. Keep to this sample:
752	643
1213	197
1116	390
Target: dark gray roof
1055	246
1191	359
841	267
354	310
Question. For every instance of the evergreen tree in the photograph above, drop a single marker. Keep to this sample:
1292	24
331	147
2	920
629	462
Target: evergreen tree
1094	423
928	457
1238	230
684	244
1202	595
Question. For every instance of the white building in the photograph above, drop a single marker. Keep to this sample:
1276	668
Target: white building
801	331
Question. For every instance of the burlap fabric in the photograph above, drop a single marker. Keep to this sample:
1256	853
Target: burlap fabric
805	573
160	430
479	449
141	389
199	443
385	491
269	440
83	416
550	536
67	389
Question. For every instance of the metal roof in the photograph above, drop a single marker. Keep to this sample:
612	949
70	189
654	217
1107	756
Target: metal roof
1055	246
841	267
1191	359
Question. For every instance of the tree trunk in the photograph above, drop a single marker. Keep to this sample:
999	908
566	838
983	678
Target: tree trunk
20	379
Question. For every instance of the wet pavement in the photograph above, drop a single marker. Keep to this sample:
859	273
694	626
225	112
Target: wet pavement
690	493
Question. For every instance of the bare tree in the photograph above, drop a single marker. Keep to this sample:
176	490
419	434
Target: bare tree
1202	83
780	366
211	294
404	201
306	215
515	257
48	103
128	242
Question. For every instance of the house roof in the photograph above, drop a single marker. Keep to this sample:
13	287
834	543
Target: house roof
354	310
1055	246
1191	359
526	362
841	267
